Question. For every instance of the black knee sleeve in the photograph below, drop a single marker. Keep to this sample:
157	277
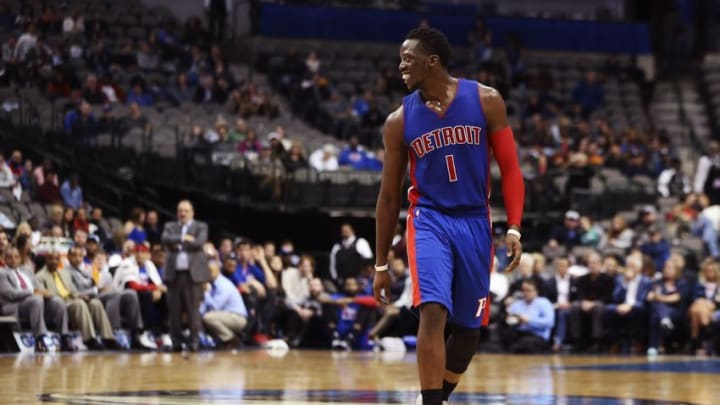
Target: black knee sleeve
460	348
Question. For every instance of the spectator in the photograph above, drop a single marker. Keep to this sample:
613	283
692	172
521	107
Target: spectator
122	307
524	272
26	42
705	306
250	144
68	221
707	175
223	311
81	223
707	225
672	181
531	321
627	314
619	235
22	295
135	119
592	234
7	178
74	23
667	300
354	155
298	309
570	234
562	292
589	93
88	314
594	292
206	93
400	302
182	92
152	227
72	192
92	92
295	158
138	273
352	316
657	248
348	256
134	226
239	131
147	57
325	158
139	94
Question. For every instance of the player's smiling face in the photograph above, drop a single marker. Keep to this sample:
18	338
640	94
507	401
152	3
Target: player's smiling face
415	64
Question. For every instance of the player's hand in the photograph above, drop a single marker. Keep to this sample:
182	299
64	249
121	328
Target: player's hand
381	287
514	250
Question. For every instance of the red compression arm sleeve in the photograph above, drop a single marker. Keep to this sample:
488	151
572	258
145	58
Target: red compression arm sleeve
503	145
141	287
366	301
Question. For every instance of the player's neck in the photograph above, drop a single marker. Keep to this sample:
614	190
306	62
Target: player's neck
439	89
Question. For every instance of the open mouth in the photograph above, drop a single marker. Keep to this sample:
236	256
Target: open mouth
405	76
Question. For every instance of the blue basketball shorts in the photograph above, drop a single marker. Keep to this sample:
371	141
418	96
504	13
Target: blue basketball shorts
450	259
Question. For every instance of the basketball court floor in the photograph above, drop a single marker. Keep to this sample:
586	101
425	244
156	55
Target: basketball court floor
324	377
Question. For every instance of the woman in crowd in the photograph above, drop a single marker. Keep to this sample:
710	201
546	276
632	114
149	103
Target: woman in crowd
68	222
704	310
667	305
619	235
134	226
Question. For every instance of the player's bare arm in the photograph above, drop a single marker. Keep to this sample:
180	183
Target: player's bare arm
389	199
504	149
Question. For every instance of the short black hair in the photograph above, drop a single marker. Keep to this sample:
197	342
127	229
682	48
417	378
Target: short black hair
433	41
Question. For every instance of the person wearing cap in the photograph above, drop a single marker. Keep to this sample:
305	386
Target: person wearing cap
138	273
568	235
325	158
186	272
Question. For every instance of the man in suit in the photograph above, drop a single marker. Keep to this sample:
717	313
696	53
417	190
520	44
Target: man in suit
627	315
122	307
594	291
186	272
84	312
22	297
561	292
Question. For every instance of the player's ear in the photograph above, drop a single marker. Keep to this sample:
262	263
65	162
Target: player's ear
433	60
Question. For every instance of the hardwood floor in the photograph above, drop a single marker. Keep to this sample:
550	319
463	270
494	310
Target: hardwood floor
315	377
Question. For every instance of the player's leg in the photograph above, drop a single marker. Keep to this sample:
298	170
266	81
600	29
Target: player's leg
473	256
430	261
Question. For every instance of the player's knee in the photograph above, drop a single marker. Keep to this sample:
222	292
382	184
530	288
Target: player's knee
433	313
462	348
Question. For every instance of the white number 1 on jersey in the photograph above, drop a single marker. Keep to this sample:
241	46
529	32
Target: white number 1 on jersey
452	173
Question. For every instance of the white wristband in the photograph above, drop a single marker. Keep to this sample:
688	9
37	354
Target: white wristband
384	267
514	232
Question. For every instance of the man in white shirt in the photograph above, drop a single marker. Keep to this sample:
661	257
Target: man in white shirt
673	181
7	178
348	256
627	314
561	293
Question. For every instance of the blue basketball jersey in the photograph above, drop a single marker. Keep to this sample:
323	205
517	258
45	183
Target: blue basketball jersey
449	153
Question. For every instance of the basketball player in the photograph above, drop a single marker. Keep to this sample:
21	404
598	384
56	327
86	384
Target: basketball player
446	129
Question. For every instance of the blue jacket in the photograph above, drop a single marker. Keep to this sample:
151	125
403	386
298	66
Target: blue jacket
620	291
